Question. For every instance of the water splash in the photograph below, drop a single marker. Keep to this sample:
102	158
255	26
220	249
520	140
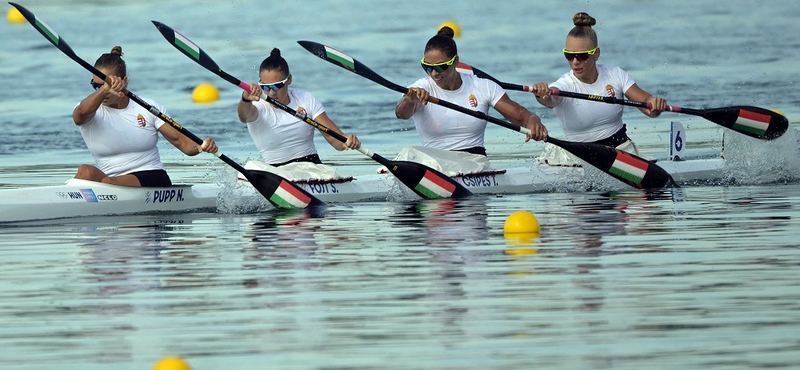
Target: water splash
750	161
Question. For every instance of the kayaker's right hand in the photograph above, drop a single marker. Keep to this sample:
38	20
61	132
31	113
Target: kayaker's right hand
417	95
254	94
541	90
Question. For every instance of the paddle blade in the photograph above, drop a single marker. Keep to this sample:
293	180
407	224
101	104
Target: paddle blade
427	182
755	122
186	46
470	70
280	192
628	168
45	30
341	59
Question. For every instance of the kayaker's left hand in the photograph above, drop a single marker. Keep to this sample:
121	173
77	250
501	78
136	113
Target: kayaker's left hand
208	146
352	142
657	105
538	131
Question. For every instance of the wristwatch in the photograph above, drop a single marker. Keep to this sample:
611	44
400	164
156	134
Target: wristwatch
245	100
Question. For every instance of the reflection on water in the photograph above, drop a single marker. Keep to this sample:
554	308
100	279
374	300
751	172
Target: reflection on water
615	279
444	223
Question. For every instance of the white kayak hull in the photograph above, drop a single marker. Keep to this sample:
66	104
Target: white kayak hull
519	180
88	198
78	198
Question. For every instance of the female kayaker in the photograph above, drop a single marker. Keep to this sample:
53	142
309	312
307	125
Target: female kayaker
122	135
281	137
590	121
447	129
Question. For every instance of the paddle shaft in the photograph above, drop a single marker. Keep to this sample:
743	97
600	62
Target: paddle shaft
604	99
642	175
304	117
267	184
324	129
66	49
154	110
600	98
425	181
657	176
751	121
244	86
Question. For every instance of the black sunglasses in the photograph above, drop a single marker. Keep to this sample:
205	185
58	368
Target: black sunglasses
96	85
580	55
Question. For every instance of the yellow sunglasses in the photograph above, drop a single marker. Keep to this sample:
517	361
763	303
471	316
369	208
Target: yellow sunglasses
581	55
438	67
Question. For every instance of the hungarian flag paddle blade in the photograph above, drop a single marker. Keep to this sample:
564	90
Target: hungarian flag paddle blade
280	192
756	122
345	61
628	168
425	181
414	179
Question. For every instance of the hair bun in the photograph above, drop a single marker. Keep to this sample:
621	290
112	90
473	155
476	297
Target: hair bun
583	19
275	52
117	50
446	31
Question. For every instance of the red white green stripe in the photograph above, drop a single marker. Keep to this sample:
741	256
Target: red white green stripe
628	167
433	186
187	45
465	68
340	57
47	31
287	196
752	122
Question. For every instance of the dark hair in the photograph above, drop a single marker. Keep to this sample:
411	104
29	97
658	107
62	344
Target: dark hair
443	41
583	27
113	61
274	62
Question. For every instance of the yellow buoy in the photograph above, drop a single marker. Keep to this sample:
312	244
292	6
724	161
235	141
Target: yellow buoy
521	222
520	251
14	16
453	25
205	93
171	363
521	243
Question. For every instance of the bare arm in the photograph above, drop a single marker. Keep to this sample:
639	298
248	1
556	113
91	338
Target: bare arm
352	140
411	102
85	111
246	111
659	104
544	97
186	145
520	116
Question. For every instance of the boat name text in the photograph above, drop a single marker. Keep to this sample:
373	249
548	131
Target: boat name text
480	181
167	196
320	188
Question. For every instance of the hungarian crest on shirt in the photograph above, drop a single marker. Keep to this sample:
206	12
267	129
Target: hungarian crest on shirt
141	120
473	101
302	111
610	91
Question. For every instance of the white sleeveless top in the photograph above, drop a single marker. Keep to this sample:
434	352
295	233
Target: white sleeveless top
280	136
447	129
124	140
586	120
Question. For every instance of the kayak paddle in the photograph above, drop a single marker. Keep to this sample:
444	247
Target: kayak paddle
628	168
280	192
423	180
755	122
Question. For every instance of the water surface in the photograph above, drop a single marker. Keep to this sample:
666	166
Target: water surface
690	278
